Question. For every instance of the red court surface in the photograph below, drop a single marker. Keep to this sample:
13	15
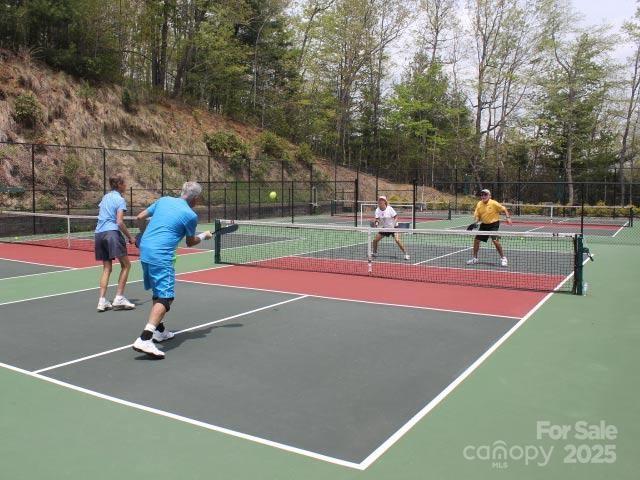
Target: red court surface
57	257
479	300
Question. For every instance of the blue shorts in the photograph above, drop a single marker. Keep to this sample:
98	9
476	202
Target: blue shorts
160	280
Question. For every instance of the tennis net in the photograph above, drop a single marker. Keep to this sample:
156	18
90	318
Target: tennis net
536	261
73	232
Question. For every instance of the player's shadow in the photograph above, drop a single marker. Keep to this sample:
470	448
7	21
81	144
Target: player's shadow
181	338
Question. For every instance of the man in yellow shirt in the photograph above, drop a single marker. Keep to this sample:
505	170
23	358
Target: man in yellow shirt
487	214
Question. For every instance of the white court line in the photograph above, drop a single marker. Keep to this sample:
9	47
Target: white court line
39	263
368	302
62	293
173	416
378	452
442	256
107	352
620	229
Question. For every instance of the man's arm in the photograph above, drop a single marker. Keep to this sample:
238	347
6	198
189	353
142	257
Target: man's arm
507	214
191	238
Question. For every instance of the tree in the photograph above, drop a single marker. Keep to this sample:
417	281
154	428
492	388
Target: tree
632	31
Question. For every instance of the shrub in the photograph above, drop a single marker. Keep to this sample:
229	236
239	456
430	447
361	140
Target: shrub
70	169
27	110
305	155
272	149
46	202
225	144
129	100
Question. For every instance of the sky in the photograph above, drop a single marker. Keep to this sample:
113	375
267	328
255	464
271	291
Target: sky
611	12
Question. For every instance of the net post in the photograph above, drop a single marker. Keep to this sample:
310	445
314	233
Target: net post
356	196
578	280
449	215
631	216
216	242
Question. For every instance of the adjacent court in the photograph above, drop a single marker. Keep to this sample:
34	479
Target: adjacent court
294	337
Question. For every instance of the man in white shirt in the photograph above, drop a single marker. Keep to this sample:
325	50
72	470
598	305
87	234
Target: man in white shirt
386	217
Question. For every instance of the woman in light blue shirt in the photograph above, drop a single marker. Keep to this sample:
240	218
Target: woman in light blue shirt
110	244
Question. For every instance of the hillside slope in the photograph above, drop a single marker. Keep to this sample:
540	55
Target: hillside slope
72	112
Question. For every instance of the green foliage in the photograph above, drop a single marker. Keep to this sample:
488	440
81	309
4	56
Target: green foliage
45	202
129	100
27	110
71	168
230	147
305	154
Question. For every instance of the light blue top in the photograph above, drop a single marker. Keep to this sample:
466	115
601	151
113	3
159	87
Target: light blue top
171	219
110	205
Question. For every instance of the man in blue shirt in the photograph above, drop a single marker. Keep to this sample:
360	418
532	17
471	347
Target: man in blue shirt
110	244
172	219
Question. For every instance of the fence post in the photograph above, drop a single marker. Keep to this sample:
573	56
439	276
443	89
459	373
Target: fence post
259	203
356	195
282	189
311	189
413	202
68	198
33	185
582	213
292	204
208	189
249	187
131	200
104	171
225	201
236	201
162	174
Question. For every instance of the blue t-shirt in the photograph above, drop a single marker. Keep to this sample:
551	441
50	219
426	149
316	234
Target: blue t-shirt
110	205
171	219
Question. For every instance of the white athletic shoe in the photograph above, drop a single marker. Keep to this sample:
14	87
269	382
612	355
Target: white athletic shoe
472	261
504	262
122	304
407	257
162	336
374	254
104	306
148	347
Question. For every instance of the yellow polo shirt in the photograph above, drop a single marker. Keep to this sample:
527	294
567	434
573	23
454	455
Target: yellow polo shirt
489	212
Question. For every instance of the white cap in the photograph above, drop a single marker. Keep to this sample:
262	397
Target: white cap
382	197
485	190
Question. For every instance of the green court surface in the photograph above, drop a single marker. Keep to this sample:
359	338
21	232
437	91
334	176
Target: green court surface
573	360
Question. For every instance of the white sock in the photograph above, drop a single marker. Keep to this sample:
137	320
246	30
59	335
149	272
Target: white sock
118	297
150	327
102	300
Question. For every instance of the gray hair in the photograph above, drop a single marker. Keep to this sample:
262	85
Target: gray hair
191	190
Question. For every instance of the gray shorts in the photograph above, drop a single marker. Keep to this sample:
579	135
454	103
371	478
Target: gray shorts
110	245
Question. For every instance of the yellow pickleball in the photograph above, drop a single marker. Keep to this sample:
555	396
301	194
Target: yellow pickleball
273	195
